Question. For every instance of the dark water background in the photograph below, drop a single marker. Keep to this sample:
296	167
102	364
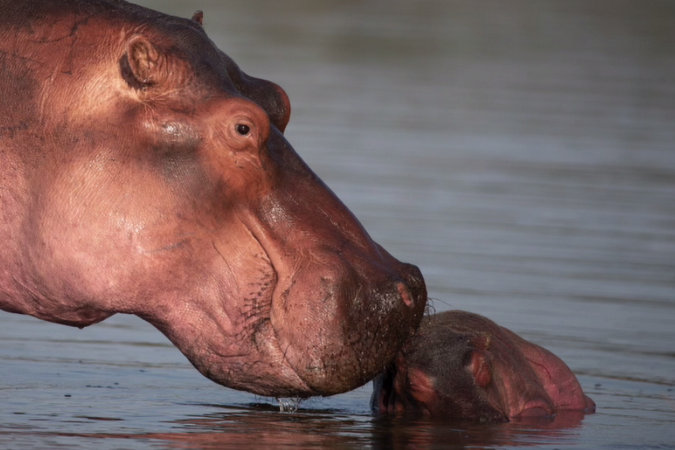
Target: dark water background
521	153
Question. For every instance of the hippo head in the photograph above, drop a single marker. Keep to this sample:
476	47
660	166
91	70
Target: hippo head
463	366
156	180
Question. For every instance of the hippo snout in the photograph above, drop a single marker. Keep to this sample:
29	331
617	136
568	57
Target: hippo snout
346	325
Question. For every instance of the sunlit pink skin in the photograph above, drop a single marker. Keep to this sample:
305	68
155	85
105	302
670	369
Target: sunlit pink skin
142	172
463	366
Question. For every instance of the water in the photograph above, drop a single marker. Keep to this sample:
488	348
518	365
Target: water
523	156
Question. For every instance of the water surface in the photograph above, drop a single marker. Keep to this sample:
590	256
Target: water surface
522	155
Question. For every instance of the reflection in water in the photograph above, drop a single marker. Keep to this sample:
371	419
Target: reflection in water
262	425
411	433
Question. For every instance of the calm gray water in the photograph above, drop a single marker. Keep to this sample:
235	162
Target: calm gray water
522	154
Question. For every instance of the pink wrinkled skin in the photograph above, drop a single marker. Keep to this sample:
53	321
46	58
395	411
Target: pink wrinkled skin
463	366
143	172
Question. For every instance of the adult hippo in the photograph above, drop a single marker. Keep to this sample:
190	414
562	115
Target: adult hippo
142	172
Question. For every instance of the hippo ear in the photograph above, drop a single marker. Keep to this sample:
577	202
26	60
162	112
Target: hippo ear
198	17
142	63
480	368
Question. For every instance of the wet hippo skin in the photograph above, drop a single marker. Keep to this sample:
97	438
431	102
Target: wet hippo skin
463	366
143	172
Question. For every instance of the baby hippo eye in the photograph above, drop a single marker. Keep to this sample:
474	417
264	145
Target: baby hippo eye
242	129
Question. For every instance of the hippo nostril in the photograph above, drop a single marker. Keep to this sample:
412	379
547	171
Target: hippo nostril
412	289
405	294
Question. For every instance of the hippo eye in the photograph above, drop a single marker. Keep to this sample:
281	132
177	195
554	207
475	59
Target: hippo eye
243	129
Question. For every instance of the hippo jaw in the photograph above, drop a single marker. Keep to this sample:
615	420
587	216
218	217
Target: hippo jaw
296	328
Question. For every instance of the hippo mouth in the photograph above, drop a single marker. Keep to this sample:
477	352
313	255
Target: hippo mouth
293	310
330	359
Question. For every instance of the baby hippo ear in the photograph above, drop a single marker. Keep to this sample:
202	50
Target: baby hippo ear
480	368
478	364
143	64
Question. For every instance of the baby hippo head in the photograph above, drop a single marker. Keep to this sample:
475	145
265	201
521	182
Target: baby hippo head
462	366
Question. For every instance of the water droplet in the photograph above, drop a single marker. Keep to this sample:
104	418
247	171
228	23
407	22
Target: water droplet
289	405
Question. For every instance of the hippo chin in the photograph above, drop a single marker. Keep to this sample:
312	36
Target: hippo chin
143	172
462	366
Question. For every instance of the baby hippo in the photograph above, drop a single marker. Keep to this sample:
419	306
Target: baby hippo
463	366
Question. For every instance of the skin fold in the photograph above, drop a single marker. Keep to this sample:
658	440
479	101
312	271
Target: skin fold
463	366
143	172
